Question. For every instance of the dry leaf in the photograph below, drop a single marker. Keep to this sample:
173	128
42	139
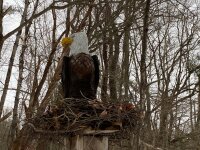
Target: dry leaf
103	114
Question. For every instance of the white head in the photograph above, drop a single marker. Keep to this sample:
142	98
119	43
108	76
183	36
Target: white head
79	44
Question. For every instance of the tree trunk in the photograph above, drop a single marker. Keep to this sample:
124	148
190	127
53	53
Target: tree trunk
1	26
104	82
143	77
11	62
113	67
13	130
164	114
198	113
143	68
126	64
105	56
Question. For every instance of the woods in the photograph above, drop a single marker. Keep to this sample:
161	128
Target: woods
149	56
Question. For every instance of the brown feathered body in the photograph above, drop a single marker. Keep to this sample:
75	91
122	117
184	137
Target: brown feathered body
80	76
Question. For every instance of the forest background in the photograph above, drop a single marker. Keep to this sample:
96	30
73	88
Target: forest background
149	55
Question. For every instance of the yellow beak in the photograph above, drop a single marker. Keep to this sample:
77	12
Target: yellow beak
66	41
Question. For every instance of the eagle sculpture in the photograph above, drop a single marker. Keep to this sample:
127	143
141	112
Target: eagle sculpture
80	70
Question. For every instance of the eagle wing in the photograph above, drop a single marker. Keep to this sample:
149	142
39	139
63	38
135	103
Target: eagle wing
65	76
97	75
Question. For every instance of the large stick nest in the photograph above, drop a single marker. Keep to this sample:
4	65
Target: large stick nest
74	115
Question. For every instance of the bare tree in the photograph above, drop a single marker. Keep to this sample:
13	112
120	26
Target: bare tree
145	49
12	57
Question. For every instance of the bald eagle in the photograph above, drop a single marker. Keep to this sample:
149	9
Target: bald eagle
80	70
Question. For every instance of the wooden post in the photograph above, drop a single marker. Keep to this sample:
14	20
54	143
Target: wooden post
66	144
76	143
95	143
90	142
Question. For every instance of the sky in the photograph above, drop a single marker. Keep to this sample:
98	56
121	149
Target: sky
11	21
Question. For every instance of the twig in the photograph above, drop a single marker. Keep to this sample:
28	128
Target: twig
6	116
52	132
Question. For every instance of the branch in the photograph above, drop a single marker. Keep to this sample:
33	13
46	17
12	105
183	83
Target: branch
6	116
150	146
52	6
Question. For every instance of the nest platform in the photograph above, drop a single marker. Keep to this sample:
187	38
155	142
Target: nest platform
83	116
